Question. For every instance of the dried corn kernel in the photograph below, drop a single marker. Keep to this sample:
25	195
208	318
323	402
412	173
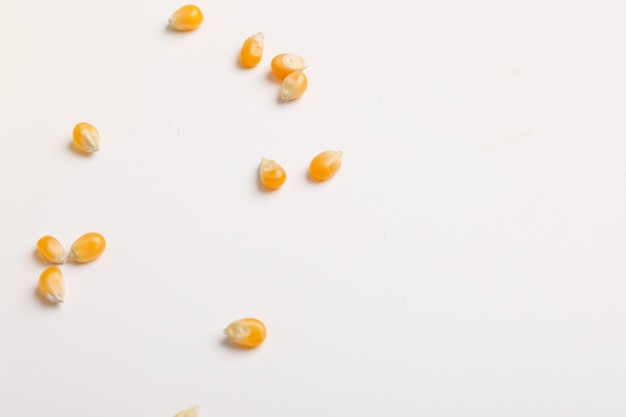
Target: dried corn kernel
285	64
293	86
51	249
87	248
246	332
51	285
186	18
325	165
252	50
86	138
272	175
191	412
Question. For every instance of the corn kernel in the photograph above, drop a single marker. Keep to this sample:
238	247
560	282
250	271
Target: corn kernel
87	248
285	64
186	18
325	165
252	50
246	332
272	175
86	138
293	86
51	249
191	412
51	285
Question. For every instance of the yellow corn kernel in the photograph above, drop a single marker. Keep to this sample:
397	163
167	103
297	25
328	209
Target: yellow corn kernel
87	248
252	50
186	18
285	64
86	138
325	165
272	175
191	412
293	86
51	285
246	332
51	249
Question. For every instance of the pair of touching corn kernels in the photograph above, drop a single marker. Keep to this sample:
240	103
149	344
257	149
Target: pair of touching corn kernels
85	249
286	67
322	167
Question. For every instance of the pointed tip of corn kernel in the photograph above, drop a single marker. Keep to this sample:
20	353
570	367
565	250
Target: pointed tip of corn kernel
260	38
190	412
55	298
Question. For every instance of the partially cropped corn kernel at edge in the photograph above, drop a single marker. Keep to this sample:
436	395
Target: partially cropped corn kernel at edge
87	248
284	64
293	86
86	138
190	412
51	249
272	175
188	17
248	332
51	285
252	50
325	165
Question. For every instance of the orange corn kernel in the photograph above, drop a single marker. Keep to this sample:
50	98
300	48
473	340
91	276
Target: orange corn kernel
51	285
246	332
252	50
285	64
272	175
186	18
87	248
86	138
325	165
293	86
51	249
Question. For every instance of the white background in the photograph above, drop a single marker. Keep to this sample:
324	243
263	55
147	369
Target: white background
467	260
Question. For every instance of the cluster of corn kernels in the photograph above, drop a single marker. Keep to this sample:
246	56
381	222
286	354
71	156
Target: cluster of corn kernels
85	249
286	67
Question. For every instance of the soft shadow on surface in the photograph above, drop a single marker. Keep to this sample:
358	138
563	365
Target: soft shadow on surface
271	77
230	345
311	179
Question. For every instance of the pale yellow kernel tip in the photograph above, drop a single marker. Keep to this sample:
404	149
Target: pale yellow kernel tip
190	412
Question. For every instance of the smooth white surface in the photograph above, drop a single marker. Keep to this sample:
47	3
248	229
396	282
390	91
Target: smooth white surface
467	260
